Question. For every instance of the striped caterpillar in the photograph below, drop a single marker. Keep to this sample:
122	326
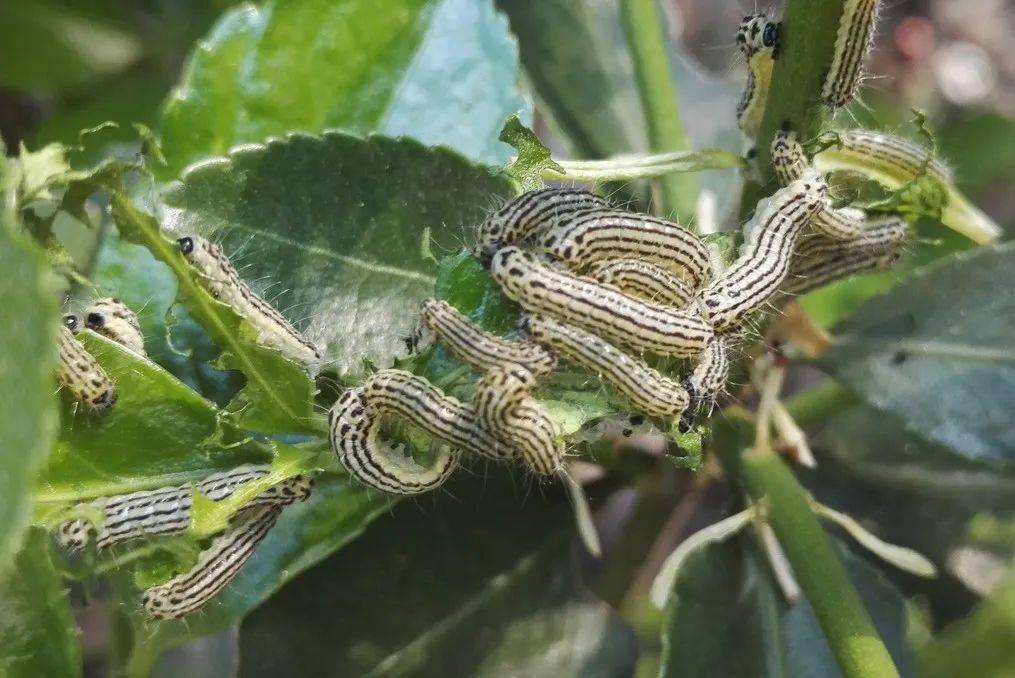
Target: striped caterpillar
528	215
167	510
115	320
890	154
708	379
610	314
606	234
758	39
852	42
79	372
223	282
644	280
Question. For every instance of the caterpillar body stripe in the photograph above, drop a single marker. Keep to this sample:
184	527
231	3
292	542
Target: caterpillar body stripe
223	282
607	234
881	233
649	391
505	408
852	42
80	373
758	39
216	567
476	347
115	320
612	315
644	280
789	160
835	261
708	379
528	215
894	155
167	510
764	260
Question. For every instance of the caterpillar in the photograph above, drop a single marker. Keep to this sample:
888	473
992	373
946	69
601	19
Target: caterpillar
708	378
112	318
894	155
644	280
649	391
505	408
764	260
789	161
473	346
610	314
223	282
758	39
852	42
216	567
528	215
167	510
607	234
79	372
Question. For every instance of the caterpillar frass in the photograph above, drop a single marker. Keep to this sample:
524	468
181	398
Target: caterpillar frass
852	42
223	282
612	315
79	372
167	510
507	410
644	280
474	346
764	260
607	234
528	215
216	567
708	379
758	39
893	155
115	320
649	391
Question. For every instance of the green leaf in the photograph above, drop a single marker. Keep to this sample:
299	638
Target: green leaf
336	223
936	351
533	156
268	72
37	632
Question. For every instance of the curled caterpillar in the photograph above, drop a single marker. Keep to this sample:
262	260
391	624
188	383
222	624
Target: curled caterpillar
474	346
112	318
612	315
607	234
222	281
764	260
758	39
644	280
79	372
893	155
506	408
852	42
167	510
216	567
649	391
528	215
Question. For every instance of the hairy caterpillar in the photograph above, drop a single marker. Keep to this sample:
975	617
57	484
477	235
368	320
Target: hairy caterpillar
475	347
216	567
644	280
758	39
530	214
595	235
224	283
506	409
167	510
708	378
789	161
648	390
894	155
610	314
852	42
764	259
112	318
79	372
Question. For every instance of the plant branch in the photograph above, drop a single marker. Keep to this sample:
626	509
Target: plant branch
630	167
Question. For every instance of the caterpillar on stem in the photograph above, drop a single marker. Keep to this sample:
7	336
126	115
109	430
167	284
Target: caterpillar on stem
758	39
79	372
852	43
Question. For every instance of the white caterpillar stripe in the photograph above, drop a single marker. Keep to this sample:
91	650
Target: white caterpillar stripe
764	260
114	319
708	379
894	155
528	215
758	39
223	282
644	280
216	567
852	42
167	510
610	314
476	347
648	390
607	234
80	373
506	409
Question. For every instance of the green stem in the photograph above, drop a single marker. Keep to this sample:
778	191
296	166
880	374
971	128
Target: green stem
816	404
659	99
628	168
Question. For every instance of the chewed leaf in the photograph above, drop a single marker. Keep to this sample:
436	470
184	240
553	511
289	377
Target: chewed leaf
533	156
